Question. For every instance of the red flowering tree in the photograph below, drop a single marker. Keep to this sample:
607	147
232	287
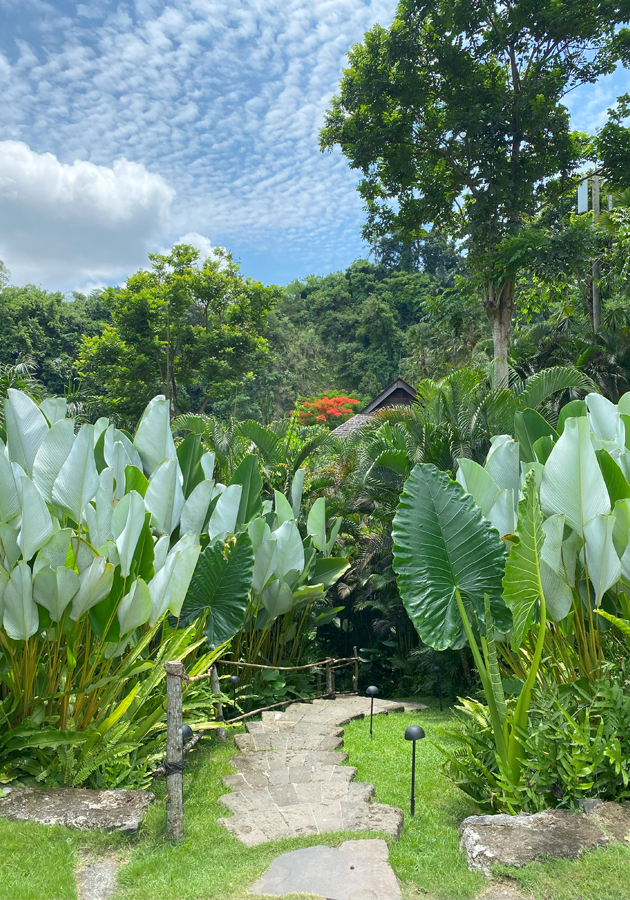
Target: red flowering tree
325	410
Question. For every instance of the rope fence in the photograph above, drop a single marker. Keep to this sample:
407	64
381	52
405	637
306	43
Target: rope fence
176	677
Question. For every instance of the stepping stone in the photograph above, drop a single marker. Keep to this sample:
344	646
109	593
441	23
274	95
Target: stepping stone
356	870
82	808
291	782
517	840
97	880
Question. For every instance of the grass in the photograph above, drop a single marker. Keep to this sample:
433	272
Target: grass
38	862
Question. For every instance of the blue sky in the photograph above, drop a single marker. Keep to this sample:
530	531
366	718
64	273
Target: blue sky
126	126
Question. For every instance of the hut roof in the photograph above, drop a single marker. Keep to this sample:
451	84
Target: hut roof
399	393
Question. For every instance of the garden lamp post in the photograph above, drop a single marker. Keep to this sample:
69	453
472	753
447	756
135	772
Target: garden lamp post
187	733
438	684
413	733
234	680
372	691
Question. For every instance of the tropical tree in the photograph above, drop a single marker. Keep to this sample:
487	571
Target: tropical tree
187	330
455	117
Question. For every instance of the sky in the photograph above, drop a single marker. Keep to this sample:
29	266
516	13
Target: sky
126	127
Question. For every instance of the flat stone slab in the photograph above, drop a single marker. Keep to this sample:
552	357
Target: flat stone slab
614	818
356	870
81	808
97	880
517	840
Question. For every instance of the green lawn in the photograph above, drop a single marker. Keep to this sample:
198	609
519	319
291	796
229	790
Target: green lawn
37	862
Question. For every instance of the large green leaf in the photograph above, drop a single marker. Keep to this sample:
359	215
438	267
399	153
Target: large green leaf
574	409
95	584
9	500
478	483
266	442
604	567
225	513
290	550
572	482
77	481
248	476
522	588
189	454
21	618
605	420
153	439
327	571
26	427
54	589
37	525
164	498
220	587
196	507
616	484
529	426
135	607
170	583
549	381
53	451
316	524
442	544
127	524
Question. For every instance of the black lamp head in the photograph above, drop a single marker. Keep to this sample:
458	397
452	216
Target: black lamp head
414	733
372	691
436	668
234	679
187	733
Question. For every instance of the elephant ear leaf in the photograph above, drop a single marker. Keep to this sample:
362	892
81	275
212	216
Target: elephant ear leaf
443	545
522	586
220	587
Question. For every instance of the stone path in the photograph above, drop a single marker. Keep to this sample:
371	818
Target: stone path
290	780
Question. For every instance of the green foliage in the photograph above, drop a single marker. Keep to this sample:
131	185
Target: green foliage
187	330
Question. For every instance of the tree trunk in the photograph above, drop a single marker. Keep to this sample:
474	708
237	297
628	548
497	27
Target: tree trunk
499	306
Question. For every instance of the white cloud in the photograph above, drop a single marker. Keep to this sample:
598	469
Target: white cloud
199	242
76	223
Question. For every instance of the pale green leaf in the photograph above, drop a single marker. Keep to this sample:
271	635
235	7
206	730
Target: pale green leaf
26	427
195	508
9	547
332	535
160	552
501	515
284	512
99	518
164	498
621	531
37	525
503	463
605	420
77	481
258	531
316	524
168	586
9	500
53	451
127	523
207	464
54	589
21	618
265	557
290	552
277	599
558	595
551	552
224	515
572	483
153	438
135	607
604	567
95	584
522	588
297	486
54	408
477	482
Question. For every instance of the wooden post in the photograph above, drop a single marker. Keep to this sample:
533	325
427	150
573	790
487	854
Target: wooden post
174	743
330	680
216	689
355	676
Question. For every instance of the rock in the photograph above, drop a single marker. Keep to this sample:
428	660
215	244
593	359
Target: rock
614	817
80	808
97	880
517	840
357	870
411	705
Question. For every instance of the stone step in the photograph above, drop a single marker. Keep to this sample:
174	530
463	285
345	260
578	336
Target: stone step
281	796
282	741
258	826
256	780
278	726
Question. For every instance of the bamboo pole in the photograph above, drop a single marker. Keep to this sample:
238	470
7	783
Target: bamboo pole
355	674
216	689
174	750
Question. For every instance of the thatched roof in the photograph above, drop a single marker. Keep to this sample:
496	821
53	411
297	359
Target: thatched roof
357	421
398	393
